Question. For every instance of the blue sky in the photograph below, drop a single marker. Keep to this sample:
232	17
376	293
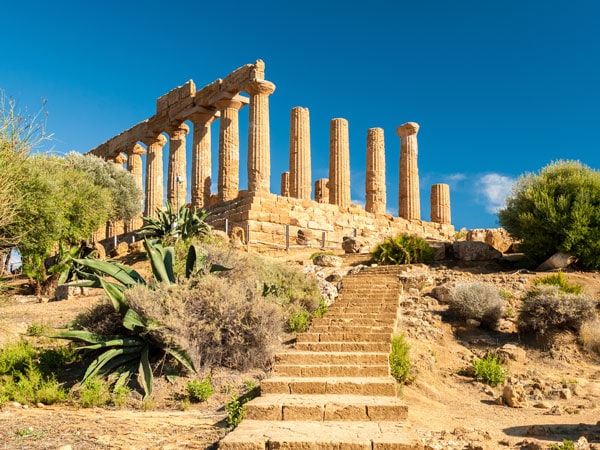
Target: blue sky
498	88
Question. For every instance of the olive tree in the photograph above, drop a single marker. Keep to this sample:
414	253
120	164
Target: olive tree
556	210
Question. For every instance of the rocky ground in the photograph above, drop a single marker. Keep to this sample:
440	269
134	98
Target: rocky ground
555	391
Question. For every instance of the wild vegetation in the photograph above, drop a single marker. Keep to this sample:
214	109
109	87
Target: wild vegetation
477	301
403	249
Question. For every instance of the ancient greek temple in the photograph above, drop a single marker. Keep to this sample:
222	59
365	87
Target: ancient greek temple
256	208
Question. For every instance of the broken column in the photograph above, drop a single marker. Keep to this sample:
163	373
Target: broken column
201	160
229	148
375	183
322	190
300	173
177	185
440	203
154	174
285	184
259	147
134	167
408	198
339	163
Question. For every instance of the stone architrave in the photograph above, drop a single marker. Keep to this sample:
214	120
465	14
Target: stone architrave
300	173
285	184
408	197
154	174
339	163
134	167
201	159
440	203
259	147
229	148
375	183
322	190
177	172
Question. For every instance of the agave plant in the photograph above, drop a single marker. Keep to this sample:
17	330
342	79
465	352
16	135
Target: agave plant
170	225
126	354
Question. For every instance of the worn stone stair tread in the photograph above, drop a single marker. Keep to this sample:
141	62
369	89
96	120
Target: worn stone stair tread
310	358
326	408
384	386
342	435
343	346
330	370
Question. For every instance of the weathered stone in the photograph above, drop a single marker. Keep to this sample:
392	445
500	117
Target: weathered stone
154	174
375	180
259	147
229	148
300	173
201	159
557	261
496	237
355	244
514	396
474	251
177	172
512	352
408	198
322	190
120	250
99	251
339	163
328	261
440	203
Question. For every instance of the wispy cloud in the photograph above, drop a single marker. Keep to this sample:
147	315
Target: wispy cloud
494	188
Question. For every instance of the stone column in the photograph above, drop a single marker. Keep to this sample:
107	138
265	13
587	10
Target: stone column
375	186
119	160
440	203
201	160
408	197
116	227
134	167
285	184
229	149
154	174
339	163
177	181
322	190
259	147
300	174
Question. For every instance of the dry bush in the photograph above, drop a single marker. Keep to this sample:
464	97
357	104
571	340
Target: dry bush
589	335
478	301
101	319
547	309
217	322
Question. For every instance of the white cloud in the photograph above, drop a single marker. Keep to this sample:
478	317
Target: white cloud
495	188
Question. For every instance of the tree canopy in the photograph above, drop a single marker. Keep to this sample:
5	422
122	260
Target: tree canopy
556	210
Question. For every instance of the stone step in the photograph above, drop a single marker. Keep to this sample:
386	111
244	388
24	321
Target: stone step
353	314
369	308
331	370
325	408
343	346
383	386
336	358
386	321
351	328
344	336
305	435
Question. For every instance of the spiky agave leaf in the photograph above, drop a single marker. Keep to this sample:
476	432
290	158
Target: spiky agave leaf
123	274
145	371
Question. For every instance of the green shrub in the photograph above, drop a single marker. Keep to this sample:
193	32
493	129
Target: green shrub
546	308
565	445
403	249
489	370
94	392
478	301
298	321
235	411
557	209
119	395
400	364
200	391
559	279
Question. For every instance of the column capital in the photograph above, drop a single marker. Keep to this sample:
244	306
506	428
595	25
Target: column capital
137	150
150	140
119	159
259	87
407	129
177	131
233	103
203	117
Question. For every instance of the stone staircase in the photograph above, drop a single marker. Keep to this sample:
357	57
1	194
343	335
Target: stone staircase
334	389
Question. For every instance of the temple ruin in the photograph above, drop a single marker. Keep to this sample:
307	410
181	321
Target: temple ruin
323	220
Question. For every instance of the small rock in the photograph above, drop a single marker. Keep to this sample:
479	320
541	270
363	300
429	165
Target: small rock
514	396
542	405
532	444
328	261
565	394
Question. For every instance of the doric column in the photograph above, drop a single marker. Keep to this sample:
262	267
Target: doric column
154	174
229	149
300	175
120	159
285	184
408	201
177	181
375	185
440	203
259	148
339	163
134	167
201	160
322	190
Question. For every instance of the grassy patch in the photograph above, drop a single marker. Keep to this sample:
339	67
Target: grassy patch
400	364
489	370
